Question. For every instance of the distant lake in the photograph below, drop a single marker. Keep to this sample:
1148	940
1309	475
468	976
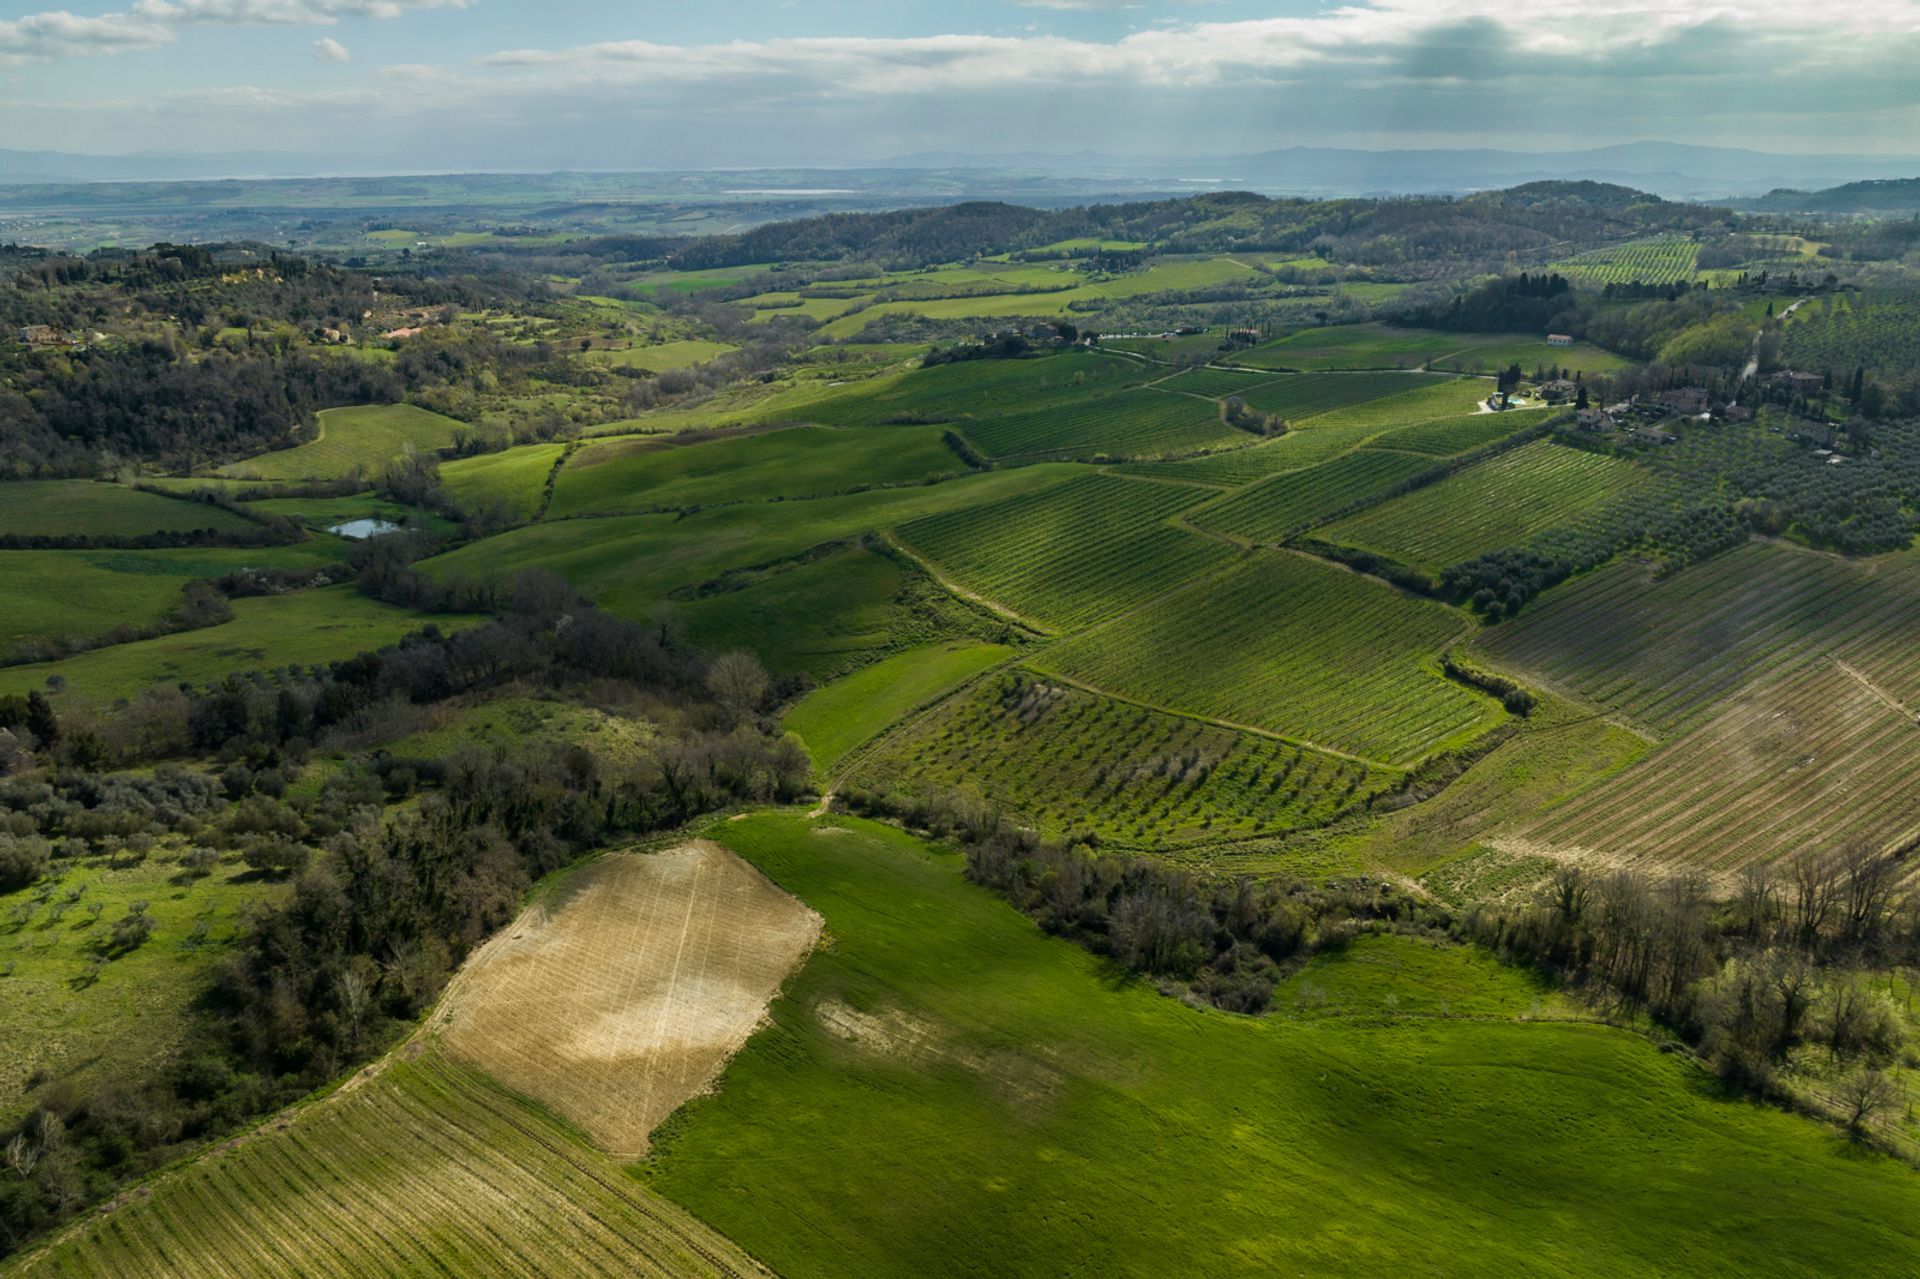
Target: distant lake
360	530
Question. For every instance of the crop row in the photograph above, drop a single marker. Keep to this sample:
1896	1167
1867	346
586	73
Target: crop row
1883	334
1215	383
1495	504
1449	436
976	388
1134	423
1297	500
1072	554
1293	646
1305	395
1066	760
1661	259
1294	451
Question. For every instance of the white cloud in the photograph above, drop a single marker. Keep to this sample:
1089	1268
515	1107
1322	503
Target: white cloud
151	24
327	49
283	12
42	37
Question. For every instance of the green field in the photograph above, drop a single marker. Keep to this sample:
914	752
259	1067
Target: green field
1064	761
944	1090
86	508
136	1014
1375	346
267	631
1293	501
1309	445
429	1169
1497	503
353	440
515	480
683	354
630	564
629	475
835	719
1427	398
978	388
1069	555
1295	647
1305	395
1449	436
1142	423
1215	383
1659	259
1664	652
51	594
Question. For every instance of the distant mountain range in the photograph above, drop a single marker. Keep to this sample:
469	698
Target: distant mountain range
1672	170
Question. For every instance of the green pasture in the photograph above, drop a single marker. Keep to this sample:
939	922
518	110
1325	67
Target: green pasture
362	439
683	354
88	508
835	719
514	480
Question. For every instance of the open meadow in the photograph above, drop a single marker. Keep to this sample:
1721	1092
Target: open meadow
352	440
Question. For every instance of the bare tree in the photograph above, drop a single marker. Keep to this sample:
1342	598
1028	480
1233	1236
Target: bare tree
738	680
1866	1095
1869	878
1816	888
1757	903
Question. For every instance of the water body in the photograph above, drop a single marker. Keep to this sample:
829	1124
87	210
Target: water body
360	530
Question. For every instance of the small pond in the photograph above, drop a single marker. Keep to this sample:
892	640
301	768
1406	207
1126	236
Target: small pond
360	530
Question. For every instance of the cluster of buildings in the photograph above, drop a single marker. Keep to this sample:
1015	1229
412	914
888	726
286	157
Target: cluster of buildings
1647	418
41	335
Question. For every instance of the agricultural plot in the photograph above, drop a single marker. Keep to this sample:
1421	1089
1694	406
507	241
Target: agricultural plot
1295	647
1065	760
1375	346
1663	651
48	595
1215	383
1070	555
628	475
1295	451
1306	395
944	1063
625	990
267	631
683	354
1450	436
86	508
358	439
428	1168
835	719
514	481
979	388
1497	503
1140	423
1882	333
505	723
1813	758
1659	259
1294	501
1427	397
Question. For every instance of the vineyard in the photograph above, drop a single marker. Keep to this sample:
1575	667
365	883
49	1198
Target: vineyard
1306	395
1127	424
1294	451
1660	259
1297	648
1297	500
1425	399
1449	436
1066	760
978	388
1882	333
1497	503
1070	555
1353	346
427	1169
1662	651
1809	758
1214	383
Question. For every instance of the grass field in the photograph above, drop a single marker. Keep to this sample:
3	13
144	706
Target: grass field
136	1014
87	508
428	1169
683	354
1814	757
1662	652
626	475
1499	502
50	594
1069	555
358	439
1140	423
504	723
835	719
1293	646
624	988
947	1091
1294	501
1064	760
515	480
979	388
631	564
266	631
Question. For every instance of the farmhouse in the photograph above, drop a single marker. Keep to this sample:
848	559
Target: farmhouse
1801	383
1818	434
1557	390
43	335
1688	400
1737	413
1594	420
1653	435
1559	339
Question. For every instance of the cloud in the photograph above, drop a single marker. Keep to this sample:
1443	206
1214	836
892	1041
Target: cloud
152	24
283	12
42	37
327	49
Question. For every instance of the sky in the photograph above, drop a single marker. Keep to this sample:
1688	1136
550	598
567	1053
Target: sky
601	84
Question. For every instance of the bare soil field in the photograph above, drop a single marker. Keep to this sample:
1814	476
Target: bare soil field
627	993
